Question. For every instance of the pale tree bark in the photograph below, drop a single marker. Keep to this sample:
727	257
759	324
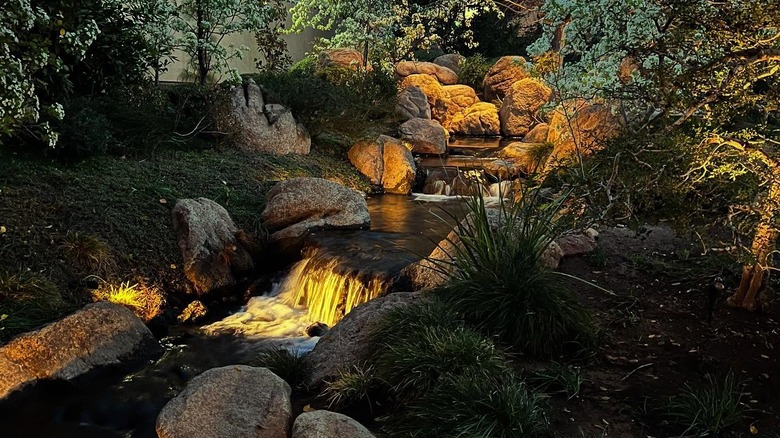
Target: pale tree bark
751	293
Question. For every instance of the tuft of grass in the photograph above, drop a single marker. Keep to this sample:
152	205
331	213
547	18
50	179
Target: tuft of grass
474	406
597	258
284	363
27	300
708	410
498	281
413	366
558	378
89	252
145	301
354	386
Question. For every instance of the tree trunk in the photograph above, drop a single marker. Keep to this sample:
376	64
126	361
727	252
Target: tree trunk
750	294
203	69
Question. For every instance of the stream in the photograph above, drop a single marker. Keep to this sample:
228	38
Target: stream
403	230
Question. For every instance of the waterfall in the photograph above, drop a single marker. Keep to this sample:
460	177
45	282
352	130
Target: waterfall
327	290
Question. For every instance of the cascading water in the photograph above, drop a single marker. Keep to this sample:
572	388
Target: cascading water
326	290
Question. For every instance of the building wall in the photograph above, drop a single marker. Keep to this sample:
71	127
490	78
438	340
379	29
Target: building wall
297	45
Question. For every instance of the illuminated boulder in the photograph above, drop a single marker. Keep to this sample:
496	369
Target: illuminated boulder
520	106
527	157
349	59
479	119
579	129
299	205
426	136
348	343
215	251
327	424
235	401
413	103
538	134
442	74
386	161
504	73
97	337
458	98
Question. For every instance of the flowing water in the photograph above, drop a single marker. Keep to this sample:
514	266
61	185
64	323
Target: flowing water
340	270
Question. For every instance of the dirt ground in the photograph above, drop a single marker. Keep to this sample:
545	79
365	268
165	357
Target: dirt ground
664	329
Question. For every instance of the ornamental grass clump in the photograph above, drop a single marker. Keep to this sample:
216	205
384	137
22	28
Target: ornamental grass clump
499	283
420	343
475	405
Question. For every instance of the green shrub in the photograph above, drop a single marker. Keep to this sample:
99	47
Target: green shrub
85	131
351	105
285	364
473	71
499	283
709	410
474	406
413	366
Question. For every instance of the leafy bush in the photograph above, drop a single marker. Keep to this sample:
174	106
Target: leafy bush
709	410
473	71
85	131
499	282
352	105
285	364
477	405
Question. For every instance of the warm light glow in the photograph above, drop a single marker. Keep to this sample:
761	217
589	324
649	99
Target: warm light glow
144	301
326	291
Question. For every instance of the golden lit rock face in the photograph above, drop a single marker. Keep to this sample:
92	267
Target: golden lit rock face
327	291
101	334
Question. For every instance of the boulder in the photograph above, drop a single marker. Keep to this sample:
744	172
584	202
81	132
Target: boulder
413	104
99	336
349	59
399	168
348	343
433	90
503	169
266	128
435	270
327	424
299	205
235	401
366	156
504	73
426	136
579	129
478	119
538	134
452	61
519	107
528	157
579	243
457	98
215	251
442	74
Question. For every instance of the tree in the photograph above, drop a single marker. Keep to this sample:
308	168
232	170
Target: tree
703	66
392	29
205	24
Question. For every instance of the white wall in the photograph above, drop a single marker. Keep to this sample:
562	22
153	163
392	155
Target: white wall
297	45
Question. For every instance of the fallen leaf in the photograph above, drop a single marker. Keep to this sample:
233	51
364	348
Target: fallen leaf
163	201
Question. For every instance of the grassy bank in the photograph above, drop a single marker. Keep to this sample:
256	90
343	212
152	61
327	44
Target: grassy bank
119	211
